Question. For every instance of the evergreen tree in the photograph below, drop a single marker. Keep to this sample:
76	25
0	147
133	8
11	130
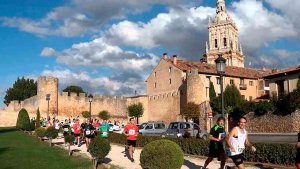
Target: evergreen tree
73	89
21	90
214	101
38	119
212	92
232	97
136	110
23	121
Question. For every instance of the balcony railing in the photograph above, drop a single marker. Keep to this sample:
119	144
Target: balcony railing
243	87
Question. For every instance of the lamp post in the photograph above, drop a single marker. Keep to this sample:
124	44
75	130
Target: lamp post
90	100
220	65
48	99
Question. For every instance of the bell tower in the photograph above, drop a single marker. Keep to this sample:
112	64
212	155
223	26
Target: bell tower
223	38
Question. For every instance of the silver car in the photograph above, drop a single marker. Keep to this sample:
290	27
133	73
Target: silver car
152	128
185	129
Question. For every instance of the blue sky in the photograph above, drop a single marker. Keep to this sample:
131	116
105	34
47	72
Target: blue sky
111	46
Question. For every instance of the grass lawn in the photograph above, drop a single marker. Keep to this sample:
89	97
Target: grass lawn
21	151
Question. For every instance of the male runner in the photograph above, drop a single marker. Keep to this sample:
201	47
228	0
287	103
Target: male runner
298	152
236	141
103	131
88	132
216	149
131	131
76	130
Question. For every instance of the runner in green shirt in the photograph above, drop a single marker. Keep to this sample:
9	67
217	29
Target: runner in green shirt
104	131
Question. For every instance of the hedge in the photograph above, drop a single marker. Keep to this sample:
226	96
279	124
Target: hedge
23	121
282	154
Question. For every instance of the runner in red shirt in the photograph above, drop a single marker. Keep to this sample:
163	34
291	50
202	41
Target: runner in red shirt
48	124
131	131
76	128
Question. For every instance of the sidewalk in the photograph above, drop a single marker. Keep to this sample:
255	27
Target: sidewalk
118	157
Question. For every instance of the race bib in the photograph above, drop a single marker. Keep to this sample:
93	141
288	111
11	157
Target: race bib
66	129
72	130
131	132
240	149
88	132
104	133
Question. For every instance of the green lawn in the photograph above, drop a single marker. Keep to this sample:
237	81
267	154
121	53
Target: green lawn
21	151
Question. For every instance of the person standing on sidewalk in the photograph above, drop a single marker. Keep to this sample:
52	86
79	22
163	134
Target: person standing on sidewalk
131	131
236	141
216	148
298	152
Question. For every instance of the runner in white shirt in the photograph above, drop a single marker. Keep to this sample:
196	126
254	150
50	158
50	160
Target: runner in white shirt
236	141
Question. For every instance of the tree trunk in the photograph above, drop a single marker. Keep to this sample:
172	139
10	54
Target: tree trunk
95	163
69	147
50	142
137	120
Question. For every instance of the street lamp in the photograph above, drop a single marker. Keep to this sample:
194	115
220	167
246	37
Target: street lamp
90	100
220	65
48	99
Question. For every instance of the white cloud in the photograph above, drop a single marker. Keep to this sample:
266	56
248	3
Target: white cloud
48	52
121	84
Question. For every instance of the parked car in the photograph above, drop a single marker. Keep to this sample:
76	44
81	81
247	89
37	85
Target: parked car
185	129
152	128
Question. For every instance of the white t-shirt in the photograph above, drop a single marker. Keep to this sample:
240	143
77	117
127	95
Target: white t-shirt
238	143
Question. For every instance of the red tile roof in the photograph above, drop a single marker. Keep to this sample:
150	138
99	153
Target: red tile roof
232	71
284	71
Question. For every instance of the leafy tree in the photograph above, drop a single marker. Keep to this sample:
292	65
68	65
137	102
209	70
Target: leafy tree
23	121
73	89
191	111
136	110
21	90
38	119
104	115
86	114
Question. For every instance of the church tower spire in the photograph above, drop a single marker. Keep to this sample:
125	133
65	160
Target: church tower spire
223	38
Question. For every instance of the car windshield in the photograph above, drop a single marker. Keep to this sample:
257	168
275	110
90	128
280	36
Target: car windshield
173	126
142	126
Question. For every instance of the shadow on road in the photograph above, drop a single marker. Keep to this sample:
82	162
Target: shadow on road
6	130
191	165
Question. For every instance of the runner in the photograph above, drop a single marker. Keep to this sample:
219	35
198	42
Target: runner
48	124
216	149
66	128
298	152
89	133
44	122
82	138
236	141
131	131
57	124
103	131
76	129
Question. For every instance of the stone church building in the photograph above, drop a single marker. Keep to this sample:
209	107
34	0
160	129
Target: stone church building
171	84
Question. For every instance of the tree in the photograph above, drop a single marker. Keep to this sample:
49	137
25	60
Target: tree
104	115
212	92
73	89
214	101
21	90
23	121
191	111
38	119
136	110
86	114
232	97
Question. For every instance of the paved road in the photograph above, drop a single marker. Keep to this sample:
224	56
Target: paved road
274	138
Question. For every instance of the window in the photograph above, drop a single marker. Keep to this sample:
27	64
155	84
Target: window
250	83
154	74
185	126
241	81
225	42
173	126
149	127
231	81
250	98
170	81
159	126
216	43
155	85
170	69
218	80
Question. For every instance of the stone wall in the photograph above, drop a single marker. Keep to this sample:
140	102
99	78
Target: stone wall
272	123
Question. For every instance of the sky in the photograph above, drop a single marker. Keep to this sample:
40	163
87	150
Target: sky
109	47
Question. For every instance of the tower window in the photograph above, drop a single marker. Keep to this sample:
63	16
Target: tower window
170	69
221	8
155	85
218	80
154	74
225	42
216	43
231	81
170	81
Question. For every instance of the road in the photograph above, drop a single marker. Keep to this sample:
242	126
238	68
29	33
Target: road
273	138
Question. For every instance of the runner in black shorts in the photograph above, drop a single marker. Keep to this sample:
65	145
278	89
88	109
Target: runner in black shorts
131	131
88	132
216	148
298	152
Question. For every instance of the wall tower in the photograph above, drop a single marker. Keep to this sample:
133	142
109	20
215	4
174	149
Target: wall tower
223	38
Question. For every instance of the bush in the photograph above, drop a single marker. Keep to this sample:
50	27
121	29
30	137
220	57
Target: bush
162	154
274	153
69	139
104	115
40	132
23	121
86	114
51	133
99	148
264	107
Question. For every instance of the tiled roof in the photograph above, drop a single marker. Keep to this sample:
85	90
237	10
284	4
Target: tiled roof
232	71
284	71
